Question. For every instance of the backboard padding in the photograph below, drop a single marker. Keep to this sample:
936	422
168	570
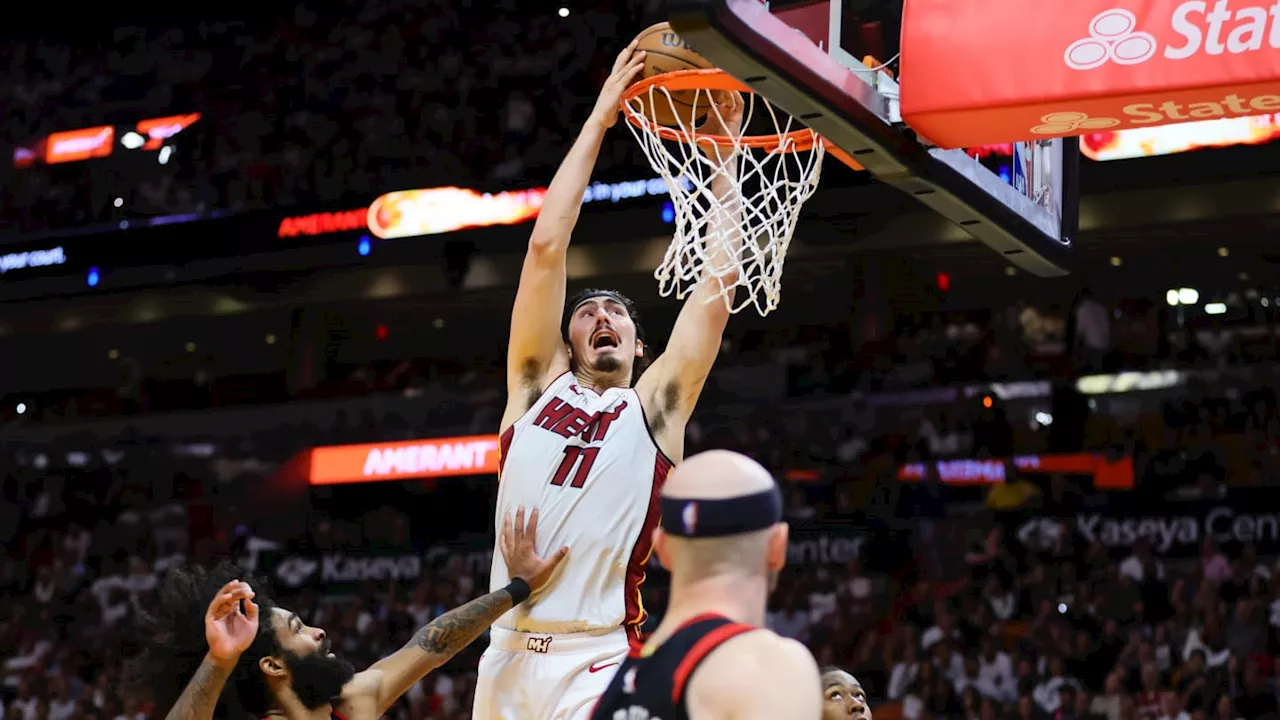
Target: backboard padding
744	38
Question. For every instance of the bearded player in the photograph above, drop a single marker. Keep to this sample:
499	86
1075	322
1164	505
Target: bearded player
589	443
214	646
723	539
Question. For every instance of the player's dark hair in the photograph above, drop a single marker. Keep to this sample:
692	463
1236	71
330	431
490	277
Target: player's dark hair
582	296
173	644
828	669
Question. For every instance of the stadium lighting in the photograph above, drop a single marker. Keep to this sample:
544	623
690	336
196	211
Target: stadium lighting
563	12
1188	296
1215	308
118	202
21	408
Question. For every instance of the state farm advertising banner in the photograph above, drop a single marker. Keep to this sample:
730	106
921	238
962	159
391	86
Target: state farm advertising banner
978	72
408	460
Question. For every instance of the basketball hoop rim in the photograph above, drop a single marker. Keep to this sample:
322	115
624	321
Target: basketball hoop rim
711	79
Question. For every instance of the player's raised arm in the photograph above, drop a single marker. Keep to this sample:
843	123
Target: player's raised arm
756	676
535	352
230	625
671	386
439	640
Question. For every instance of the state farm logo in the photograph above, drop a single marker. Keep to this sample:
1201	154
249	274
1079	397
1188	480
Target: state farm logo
1112	38
1066	123
1195	28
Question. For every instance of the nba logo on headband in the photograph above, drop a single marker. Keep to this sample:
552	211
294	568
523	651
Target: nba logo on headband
689	516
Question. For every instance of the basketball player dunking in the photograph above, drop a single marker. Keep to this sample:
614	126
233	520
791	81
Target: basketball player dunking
723	541
588	447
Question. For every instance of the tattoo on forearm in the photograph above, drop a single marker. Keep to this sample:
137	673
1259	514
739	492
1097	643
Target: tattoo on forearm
456	629
200	697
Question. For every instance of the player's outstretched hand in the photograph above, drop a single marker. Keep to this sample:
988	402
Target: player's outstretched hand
228	627
523	560
625	69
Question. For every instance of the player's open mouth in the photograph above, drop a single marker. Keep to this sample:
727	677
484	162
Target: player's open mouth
603	339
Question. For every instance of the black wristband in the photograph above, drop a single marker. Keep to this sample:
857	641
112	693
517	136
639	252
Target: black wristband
519	590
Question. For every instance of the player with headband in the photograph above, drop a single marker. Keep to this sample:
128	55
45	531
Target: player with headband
723	539
588	437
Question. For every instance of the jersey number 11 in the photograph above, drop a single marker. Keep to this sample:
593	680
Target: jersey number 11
582	458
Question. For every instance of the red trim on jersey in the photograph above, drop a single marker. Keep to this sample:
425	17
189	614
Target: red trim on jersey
643	548
504	446
699	652
635	640
338	715
699	618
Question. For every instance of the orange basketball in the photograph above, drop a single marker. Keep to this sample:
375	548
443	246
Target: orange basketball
665	51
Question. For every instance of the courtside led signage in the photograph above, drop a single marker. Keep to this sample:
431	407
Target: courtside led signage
323	223
74	145
413	459
1107	474
431	211
31	259
1073	68
157	130
410	213
99	142
1171	139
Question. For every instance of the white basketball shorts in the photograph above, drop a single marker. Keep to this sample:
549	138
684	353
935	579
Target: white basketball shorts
527	676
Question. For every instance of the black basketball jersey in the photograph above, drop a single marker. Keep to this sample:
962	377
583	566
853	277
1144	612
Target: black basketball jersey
652	686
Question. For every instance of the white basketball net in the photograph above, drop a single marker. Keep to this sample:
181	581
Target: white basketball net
740	238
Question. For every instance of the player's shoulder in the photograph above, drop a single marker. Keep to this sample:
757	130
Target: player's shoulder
758	672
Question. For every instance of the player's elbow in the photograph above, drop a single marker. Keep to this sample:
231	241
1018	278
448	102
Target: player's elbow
547	245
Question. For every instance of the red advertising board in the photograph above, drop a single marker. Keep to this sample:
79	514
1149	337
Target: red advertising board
408	460
978	72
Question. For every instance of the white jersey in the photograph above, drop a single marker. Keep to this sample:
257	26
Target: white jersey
588	462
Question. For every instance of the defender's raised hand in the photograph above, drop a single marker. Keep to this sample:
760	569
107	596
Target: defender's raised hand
521	554
625	69
231	622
